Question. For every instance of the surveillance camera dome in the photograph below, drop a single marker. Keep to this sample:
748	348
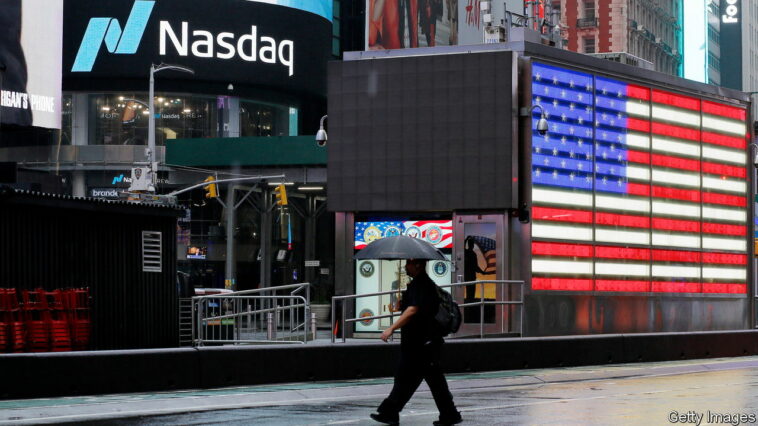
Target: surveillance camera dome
321	137
542	126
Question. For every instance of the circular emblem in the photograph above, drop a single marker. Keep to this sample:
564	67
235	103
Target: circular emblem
392	231
367	269
434	234
366	313
440	268
371	233
413	231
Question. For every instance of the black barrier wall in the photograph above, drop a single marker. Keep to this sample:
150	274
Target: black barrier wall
38	375
50	242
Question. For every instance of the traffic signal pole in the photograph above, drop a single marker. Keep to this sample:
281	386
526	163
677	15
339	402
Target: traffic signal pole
230	280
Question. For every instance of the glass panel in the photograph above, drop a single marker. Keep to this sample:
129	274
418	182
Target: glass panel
479	264
122	119
260	119
67	119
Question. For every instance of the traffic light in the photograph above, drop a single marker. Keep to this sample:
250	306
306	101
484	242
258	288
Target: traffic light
211	189
281	195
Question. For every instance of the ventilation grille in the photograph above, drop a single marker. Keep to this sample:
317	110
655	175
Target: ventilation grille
151	251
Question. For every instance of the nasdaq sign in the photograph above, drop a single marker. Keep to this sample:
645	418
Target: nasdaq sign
109	30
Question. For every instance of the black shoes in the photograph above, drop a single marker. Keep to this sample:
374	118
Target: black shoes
390	419
449	420
385	418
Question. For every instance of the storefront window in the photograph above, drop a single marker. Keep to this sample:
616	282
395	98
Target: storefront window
260	119
122	119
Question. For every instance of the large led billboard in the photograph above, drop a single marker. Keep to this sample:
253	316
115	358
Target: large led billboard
636	189
30	62
282	45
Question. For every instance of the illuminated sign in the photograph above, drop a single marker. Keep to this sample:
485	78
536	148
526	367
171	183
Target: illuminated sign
636	189
260	44
731	12
108	31
439	233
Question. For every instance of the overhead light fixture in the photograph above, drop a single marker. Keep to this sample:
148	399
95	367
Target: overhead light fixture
310	188
105	108
281	183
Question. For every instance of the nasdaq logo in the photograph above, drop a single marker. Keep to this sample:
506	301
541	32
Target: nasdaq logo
109	30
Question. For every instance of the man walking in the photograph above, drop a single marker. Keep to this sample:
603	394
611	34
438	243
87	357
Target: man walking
420	347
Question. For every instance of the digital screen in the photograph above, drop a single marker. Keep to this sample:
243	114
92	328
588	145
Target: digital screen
636	189
197	252
30	62
439	233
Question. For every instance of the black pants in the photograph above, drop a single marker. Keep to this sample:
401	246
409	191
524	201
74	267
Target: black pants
417	363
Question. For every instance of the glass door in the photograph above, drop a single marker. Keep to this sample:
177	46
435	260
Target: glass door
480	254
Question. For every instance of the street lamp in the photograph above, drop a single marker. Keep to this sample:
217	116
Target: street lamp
321	134
151	121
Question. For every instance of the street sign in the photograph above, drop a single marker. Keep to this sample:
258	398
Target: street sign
312	263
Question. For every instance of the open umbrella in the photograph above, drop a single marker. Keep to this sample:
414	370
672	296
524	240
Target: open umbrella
400	247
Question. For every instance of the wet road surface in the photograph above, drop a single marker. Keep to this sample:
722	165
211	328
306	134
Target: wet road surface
716	391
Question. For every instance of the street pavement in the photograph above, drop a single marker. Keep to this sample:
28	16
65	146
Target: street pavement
714	391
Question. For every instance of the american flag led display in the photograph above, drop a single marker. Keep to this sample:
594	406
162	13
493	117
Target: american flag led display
636	189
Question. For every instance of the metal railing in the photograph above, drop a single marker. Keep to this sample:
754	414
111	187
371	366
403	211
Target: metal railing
519	304
263	315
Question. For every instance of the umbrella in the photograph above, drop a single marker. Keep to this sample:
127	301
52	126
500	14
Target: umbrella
400	247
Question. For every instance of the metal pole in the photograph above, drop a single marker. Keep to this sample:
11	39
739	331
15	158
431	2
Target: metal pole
331	320
481	311
344	332
313	326
151	125
230	280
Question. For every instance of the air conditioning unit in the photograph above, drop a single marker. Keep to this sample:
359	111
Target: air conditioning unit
494	34
658	40
641	28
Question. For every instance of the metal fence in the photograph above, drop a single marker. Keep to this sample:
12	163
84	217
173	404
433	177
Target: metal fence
266	315
506	302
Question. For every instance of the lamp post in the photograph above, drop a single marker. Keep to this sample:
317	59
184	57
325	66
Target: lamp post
153	165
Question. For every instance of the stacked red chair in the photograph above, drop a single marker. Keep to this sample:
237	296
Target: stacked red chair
16	328
60	336
77	307
5	336
37	319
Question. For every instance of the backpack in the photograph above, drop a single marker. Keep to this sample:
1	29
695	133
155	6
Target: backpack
448	316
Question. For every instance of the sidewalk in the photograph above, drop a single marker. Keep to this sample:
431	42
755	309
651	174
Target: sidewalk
362	394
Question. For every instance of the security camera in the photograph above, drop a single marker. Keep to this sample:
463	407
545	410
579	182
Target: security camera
542	126
321	134
321	137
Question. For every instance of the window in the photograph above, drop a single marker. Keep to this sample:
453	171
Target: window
589	10
122	119
589	45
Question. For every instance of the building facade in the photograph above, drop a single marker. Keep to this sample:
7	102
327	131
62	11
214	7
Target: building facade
258	85
649	30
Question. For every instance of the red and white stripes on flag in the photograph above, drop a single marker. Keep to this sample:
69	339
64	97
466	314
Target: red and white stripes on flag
636	189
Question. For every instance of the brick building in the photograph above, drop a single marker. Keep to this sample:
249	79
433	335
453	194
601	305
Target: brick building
646	29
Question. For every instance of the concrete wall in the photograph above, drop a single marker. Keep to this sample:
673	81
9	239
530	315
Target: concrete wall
82	373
